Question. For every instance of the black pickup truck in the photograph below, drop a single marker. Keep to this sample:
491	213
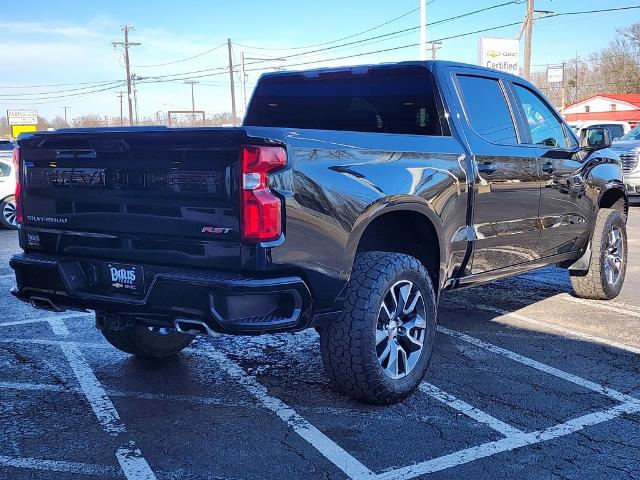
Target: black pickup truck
348	201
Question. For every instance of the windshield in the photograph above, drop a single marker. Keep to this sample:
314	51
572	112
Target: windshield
632	135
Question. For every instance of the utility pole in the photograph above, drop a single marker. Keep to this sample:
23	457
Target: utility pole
243	78
423	29
193	103
120	95
126	44
65	114
233	93
527	39
562	95
243	75
434	49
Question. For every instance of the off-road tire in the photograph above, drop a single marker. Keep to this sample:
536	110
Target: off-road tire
348	344
593	283
142	342
3	221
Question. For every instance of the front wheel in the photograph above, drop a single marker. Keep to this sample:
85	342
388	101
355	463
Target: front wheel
147	342
380	347
604	279
8	213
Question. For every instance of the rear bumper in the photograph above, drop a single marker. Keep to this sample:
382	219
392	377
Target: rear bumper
227	302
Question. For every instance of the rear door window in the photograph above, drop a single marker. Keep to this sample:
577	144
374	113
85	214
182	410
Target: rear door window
384	100
487	109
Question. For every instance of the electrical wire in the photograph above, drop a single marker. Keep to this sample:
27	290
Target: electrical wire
182	59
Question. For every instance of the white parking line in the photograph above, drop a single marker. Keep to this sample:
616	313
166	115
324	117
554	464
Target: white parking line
97	397
516	357
600	304
468	410
510	443
615	305
59	466
323	444
49	319
552	326
133	464
38	341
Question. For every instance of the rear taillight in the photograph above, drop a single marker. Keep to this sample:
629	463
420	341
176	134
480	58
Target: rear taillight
18	193
261	209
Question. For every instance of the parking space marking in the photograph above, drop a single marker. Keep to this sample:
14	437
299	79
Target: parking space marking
510	443
570	377
468	410
59	466
600	304
39	341
96	396
616	305
549	325
323	444
48	319
39	387
133	463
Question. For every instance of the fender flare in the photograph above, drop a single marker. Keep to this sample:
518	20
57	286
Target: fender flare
389	205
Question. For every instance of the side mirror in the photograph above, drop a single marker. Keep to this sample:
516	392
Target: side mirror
595	137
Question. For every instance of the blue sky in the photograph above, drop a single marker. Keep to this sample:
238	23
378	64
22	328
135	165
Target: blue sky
69	41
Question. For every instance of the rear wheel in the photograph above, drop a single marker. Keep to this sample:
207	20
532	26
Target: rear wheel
8	213
604	279
148	342
379	349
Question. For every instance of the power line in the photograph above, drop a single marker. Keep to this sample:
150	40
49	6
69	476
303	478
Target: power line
183	59
58	97
409	29
250	47
103	84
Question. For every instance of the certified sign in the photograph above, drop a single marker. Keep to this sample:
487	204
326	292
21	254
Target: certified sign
555	74
22	117
500	53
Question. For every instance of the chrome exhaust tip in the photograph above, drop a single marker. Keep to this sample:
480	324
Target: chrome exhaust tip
194	327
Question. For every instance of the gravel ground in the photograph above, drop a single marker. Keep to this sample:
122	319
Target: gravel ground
526	382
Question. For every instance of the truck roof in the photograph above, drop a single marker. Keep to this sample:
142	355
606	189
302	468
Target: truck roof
428	64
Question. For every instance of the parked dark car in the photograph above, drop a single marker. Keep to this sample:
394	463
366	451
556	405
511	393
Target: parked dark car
349	200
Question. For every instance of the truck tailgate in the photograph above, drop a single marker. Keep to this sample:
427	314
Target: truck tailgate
158	195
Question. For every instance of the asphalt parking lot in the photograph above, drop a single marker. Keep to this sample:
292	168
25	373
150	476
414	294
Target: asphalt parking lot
526	382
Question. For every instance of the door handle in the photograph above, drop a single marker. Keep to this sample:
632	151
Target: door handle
488	168
548	167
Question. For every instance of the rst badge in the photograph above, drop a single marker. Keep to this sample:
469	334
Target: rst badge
218	230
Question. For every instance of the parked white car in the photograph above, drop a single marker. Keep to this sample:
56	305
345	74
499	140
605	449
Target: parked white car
617	128
7	186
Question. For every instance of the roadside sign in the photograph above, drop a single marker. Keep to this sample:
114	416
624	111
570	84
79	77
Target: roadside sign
16	130
500	53
22	117
555	74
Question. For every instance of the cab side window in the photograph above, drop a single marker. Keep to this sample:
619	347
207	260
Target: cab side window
487	109
543	123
